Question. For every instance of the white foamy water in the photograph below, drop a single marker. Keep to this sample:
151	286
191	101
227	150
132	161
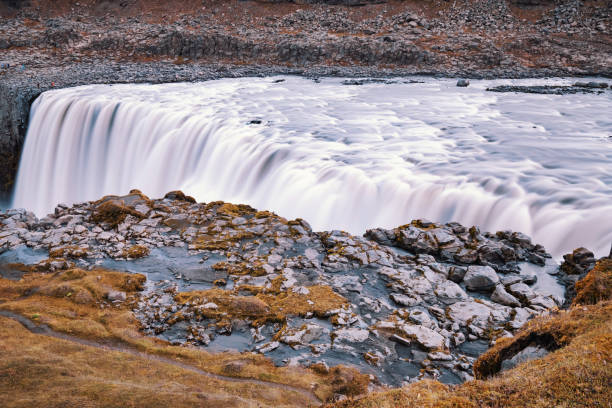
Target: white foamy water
339	156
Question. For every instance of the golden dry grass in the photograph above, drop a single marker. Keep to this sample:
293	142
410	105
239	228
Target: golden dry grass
41	371
75	302
596	285
273	306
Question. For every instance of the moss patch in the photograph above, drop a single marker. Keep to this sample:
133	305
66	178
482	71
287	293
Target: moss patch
596	285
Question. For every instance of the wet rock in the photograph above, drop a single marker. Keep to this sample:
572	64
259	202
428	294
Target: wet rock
350	335
463	83
522	292
462	312
480	278
426	337
449	292
457	273
408	282
500	295
305	335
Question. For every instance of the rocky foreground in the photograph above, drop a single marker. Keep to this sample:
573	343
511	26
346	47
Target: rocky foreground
420	301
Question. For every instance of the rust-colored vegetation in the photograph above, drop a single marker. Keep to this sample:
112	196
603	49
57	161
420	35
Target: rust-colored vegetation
37	370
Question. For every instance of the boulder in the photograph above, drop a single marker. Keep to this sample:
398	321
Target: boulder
501	296
481	278
462	312
522	292
424	336
448	292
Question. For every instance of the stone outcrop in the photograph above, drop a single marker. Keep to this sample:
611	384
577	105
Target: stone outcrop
229	276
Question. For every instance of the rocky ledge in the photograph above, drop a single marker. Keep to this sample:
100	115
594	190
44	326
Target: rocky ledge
422	300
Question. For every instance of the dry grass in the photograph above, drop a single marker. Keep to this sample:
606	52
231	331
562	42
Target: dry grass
75	302
596	285
37	371
577	373
263	307
136	251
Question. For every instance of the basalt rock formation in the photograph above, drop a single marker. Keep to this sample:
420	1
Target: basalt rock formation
420	301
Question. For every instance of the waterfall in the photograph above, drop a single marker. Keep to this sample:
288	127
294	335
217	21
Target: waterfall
340	156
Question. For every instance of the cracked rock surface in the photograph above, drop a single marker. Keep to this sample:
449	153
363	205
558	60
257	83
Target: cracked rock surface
419	301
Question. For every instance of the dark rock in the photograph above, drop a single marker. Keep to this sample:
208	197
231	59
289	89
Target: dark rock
457	273
480	278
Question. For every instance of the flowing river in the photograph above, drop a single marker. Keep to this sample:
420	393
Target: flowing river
340	155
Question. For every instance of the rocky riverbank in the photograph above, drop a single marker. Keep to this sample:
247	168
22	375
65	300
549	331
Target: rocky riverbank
420	301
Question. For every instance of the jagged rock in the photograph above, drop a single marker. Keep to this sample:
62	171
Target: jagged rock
449	292
462	312
249	260
406	300
500	295
424	336
351	335
457	273
522	292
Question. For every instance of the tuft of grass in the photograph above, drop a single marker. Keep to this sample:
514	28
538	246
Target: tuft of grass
136	251
596	285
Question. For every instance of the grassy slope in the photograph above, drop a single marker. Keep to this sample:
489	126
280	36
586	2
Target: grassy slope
36	369
577	374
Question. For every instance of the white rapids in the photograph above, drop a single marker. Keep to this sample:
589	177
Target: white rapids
340	156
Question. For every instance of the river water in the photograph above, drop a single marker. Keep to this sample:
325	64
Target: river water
340	155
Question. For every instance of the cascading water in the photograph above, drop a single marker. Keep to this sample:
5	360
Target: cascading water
340	156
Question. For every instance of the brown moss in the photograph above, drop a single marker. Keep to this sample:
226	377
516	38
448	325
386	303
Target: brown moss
320	300
262	307
220	242
596	285
348	381
70	251
113	212
136	251
180	196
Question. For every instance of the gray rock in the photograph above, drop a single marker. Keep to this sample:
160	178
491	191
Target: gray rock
463	83
424	336
481	278
405	300
457	273
500	295
528	353
522	292
449	292
116	296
